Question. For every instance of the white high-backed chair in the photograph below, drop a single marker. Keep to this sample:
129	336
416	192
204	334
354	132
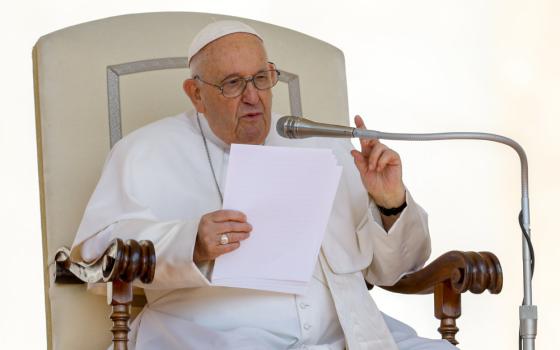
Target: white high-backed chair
98	81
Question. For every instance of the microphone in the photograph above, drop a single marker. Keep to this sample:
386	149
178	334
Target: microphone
298	128
292	127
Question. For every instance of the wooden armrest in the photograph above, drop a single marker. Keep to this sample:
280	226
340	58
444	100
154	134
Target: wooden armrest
120	265
464	271
121	261
447	278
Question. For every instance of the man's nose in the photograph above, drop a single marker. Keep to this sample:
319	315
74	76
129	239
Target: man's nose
251	94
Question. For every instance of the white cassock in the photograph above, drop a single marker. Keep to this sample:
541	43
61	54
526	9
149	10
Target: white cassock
157	183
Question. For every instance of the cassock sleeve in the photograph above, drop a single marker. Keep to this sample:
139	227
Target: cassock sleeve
114	211
356	240
174	247
405	248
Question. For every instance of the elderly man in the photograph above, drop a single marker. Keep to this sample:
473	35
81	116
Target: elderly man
164	183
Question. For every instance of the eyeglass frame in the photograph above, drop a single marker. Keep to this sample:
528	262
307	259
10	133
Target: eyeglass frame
246	80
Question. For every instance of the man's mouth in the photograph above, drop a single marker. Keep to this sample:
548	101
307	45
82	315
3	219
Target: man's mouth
252	116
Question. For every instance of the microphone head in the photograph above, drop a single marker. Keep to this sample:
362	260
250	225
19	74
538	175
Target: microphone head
285	126
299	128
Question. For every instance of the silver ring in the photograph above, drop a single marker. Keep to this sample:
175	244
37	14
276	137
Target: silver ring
224	239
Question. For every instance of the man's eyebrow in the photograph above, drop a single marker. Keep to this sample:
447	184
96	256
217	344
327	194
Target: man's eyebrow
234	75
237	75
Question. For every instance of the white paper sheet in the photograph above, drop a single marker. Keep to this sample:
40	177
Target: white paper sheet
287	195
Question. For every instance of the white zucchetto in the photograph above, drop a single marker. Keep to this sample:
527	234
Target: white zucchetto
216	30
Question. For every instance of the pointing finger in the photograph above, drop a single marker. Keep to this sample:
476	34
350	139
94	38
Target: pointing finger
363	142
378	149
359	122
366	144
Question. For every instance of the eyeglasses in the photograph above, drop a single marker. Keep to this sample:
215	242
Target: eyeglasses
234	86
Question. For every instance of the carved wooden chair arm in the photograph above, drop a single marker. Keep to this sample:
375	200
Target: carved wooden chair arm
447	278
121	261
120	265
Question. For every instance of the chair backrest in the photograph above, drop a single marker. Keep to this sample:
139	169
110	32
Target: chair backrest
99	80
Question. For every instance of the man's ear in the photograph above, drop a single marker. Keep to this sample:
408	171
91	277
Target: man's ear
192	90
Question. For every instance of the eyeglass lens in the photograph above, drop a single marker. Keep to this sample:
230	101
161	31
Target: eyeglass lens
262	81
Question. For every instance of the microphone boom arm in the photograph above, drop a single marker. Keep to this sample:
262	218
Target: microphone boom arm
373	134
298	127
527	311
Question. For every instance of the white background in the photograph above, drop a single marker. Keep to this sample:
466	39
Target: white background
415	66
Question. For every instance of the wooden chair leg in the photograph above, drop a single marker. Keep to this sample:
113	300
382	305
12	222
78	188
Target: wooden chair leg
120	294
447	308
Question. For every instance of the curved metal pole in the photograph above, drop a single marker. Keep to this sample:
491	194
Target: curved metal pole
527	311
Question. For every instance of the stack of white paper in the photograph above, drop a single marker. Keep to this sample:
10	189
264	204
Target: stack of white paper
287	195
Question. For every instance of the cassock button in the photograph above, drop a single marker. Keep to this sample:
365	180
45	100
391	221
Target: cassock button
303	305
307	326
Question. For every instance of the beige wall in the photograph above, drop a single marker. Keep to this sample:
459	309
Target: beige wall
435	65
494	68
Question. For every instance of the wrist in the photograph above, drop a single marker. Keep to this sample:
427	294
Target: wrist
390	200
393	204
392	210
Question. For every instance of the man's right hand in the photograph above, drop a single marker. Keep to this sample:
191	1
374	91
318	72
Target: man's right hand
210	230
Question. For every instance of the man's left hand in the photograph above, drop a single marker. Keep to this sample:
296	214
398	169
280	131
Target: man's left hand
381	171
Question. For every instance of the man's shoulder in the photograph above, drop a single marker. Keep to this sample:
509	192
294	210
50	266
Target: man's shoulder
168	130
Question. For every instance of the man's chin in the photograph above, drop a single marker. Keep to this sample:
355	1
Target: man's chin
251	140
252	136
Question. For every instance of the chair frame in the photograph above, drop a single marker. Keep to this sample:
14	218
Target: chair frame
447	277
120	265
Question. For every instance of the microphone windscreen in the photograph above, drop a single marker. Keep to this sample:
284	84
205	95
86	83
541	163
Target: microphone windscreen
281	126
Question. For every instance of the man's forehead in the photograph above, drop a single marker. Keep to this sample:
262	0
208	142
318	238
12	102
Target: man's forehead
235	42
234	54
216	30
